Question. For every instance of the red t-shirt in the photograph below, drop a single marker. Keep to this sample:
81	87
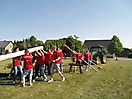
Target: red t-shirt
27	58
16	61
87	56
56	54
48	57
61	55
74	56
79	56
38	59
42	60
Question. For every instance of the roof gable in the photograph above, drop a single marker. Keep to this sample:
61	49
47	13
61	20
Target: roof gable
3	44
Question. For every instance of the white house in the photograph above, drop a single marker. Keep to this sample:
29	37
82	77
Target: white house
6	47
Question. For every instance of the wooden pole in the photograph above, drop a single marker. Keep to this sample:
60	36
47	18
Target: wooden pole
19	53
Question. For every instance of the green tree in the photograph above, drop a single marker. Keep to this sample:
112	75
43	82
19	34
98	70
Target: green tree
39	42
47	45
115	46
14	46
74	43
33	41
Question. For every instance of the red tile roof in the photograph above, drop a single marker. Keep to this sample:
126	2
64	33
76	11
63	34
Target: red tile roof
50	40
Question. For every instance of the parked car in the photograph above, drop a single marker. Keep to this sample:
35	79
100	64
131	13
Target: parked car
109	55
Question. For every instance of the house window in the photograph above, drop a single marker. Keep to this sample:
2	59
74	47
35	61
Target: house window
10	46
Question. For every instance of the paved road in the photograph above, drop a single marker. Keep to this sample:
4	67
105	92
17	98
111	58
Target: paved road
120	58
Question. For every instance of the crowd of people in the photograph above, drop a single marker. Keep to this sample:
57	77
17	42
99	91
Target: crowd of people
44	61
78	58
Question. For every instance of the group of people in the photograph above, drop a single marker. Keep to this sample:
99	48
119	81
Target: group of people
78	58
50	59
44	60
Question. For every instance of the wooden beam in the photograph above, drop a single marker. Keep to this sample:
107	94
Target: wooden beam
19	53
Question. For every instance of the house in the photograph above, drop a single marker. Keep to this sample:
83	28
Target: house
5	47
105	43
125	52
89	43
47	41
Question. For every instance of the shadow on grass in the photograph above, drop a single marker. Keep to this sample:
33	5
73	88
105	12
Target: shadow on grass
4	75
4	80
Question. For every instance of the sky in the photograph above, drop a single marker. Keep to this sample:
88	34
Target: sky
53	19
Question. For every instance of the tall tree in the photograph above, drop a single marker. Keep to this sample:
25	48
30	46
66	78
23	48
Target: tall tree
74	43
115	46
39	42
33	41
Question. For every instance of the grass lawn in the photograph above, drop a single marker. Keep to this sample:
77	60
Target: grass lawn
114	82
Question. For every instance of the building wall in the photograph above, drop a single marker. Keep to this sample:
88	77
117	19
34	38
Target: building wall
2	51
9	47
125	52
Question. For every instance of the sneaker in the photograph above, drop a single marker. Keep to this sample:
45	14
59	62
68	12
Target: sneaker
23	85
36	77
9	76
14	82
63	78
50	80
41	77
86	69
33	80
45	79
31	84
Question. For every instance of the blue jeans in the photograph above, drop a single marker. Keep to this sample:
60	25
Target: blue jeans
42	73
88	61
36	69
61	63
28	72
16	68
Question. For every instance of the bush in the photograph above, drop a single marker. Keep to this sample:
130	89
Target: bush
129	55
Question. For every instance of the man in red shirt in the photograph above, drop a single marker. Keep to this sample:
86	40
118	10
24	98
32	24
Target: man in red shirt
74	60
61	59
48	60
74	57
87	58
78	58
17	66
41	64
38	59
55	64
28	67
